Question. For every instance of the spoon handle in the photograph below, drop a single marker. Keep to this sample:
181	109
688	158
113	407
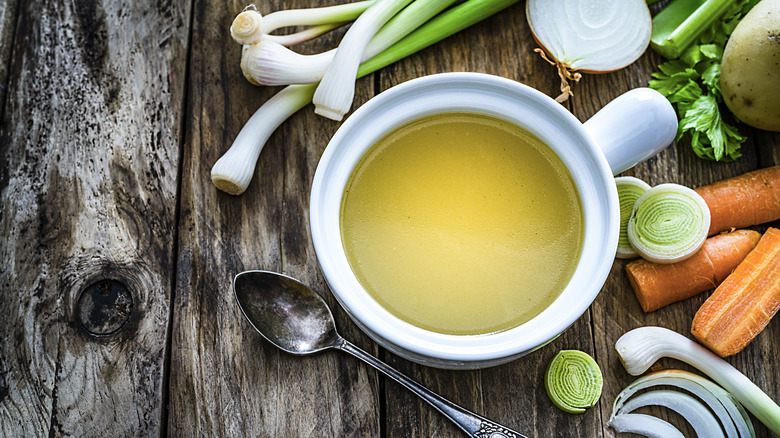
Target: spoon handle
471	423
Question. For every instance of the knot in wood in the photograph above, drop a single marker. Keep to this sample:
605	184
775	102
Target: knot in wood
104	307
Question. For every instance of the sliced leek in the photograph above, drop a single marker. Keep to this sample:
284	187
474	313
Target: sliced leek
669	223
629	190
573	381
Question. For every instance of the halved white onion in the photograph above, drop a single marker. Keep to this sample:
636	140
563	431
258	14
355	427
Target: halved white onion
645	425
695	413
589	36
730	413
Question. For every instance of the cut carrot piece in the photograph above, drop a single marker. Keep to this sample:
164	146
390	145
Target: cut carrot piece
657	285
743	201
744	303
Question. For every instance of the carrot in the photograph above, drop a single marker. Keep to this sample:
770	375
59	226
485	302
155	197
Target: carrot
749	199
743	304
657	285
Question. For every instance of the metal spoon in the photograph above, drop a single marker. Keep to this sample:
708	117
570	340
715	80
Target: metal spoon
297	320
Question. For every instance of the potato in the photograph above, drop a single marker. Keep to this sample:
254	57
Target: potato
750	74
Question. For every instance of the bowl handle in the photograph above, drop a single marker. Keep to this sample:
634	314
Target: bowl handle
633	127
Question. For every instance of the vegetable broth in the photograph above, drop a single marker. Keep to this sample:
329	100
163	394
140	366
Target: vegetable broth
462	224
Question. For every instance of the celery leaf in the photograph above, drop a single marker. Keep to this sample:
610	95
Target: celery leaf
692	85
703	117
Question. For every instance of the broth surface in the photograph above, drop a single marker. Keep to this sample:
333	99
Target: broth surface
462	224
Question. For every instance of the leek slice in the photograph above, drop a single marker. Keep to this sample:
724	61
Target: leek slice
573	381
669	223
629	190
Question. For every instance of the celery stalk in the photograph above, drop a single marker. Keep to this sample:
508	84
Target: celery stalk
680	23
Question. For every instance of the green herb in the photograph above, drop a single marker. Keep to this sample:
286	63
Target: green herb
692	84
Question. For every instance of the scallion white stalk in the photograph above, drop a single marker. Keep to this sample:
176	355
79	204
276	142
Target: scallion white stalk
640	348
250	26
302	36
336	91
234	173
270	63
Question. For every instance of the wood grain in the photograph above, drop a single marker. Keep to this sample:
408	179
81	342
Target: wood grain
90	163
228	381
8	16
110	126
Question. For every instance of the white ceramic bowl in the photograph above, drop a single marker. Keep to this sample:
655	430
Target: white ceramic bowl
643	120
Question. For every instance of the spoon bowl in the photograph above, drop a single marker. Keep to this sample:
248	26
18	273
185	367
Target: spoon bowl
297	321
294	318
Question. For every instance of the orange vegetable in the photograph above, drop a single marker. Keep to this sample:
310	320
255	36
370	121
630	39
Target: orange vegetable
657	285
744	303
749	199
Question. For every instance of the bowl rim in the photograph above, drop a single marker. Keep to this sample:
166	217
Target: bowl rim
600	230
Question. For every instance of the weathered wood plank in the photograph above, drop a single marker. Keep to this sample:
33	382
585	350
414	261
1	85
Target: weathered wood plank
88	186
225	379
8	16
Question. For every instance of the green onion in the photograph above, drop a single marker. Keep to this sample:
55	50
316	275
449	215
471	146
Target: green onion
573	381
629	190
336	90
681	23
640	348
233	172
270	63
250	26
669	223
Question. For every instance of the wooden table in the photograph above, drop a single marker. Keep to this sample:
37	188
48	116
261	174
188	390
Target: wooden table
118	252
